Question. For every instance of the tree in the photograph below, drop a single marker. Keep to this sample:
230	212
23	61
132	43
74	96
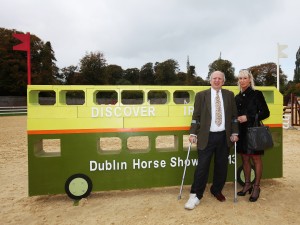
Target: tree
292	87
266	75
13	68
92	68
224	66
181	78
147	74
165	72
13	64
132	75
191	75
45	72
201	82
69	75
297	69
113	73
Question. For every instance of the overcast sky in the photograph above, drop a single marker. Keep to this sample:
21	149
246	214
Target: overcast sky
132	33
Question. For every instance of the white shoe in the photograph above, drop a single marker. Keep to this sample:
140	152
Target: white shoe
192	202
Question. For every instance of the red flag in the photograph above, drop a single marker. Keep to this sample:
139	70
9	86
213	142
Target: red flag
25	45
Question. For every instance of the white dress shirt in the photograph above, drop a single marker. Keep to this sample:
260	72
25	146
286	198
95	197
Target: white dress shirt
213	126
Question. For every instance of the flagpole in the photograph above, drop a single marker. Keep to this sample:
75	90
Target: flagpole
277	67
28	60
28	64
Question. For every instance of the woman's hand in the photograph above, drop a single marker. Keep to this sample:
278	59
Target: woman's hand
242	119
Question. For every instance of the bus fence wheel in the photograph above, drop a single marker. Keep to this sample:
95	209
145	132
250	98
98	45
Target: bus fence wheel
78	186
241	176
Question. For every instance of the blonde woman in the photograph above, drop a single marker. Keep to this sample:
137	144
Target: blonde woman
250	102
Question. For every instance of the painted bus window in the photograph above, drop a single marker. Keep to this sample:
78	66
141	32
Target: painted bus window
132	97
181	97
166	143
109	145
46	98
269	96
186	142
72	97
47	148
157	97
138	144
106	97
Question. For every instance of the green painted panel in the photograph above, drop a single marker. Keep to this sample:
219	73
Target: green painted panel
125	169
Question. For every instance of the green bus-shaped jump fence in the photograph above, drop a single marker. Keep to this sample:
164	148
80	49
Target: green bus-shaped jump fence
83	139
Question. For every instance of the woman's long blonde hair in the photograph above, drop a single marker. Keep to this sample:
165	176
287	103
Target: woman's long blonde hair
246	73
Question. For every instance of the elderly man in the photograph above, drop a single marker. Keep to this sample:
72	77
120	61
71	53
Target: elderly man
214	128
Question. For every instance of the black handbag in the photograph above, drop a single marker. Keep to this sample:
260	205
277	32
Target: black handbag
259	137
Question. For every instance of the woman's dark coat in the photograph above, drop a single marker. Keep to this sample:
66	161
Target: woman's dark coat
249	103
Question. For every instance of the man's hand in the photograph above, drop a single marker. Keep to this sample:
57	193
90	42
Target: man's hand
193	138
234	138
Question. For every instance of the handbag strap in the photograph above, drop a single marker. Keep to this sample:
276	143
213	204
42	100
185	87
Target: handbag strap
256	122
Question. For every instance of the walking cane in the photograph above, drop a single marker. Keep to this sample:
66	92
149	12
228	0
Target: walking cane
185	163
235	194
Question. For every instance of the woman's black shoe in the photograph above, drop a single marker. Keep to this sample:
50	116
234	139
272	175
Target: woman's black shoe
243	193
256	190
